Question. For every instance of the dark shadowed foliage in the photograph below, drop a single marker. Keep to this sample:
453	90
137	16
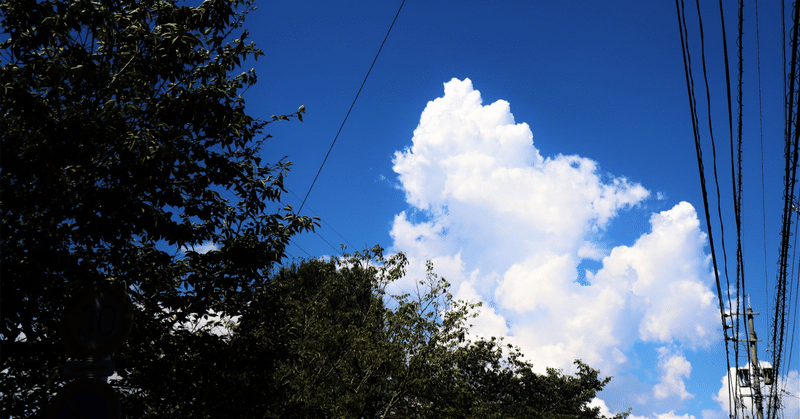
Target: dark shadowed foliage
328	342
125	146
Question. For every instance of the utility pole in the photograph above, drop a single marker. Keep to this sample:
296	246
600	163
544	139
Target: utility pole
757	372
754	363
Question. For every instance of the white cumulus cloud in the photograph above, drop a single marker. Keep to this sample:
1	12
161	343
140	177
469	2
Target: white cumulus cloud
674	368
510	227
787	386
672	415
667	274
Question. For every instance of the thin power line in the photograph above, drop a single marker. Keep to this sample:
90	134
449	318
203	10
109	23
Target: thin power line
351	106
792	138
761	143
298	246
684	33
327	224
714	159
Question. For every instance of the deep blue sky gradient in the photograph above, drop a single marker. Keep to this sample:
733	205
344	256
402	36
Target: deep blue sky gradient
603	80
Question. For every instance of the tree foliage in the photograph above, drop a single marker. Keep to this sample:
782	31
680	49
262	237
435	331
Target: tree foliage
333	344
126	149
125	146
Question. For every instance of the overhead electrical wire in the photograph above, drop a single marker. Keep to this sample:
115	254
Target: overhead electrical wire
795	271
351	106
327	224
783	48
735	183
336	137
790	171
298	246
736	309
787	287
763	184
681	12
783	371
736	171
796	286
787	117
713	154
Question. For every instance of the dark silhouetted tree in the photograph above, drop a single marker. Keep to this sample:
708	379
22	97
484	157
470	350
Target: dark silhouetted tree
326	341
126	147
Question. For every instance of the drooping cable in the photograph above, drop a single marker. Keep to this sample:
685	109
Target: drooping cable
776	397
787	117
735	309
790	171
351	106
681	12
794	272
339	251
713	154
783	50
735	188
298	246
796	286
761	143
737	172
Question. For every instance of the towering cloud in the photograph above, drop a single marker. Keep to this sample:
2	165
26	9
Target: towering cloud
510	227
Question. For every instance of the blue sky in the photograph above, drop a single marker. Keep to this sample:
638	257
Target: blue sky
526	147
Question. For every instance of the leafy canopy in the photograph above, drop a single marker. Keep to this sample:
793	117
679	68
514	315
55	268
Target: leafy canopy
329	342
126	145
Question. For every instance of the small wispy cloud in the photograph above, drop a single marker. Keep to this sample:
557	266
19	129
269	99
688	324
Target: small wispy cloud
674	368
202	248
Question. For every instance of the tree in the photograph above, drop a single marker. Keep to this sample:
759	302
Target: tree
318	337
334	344
126	147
